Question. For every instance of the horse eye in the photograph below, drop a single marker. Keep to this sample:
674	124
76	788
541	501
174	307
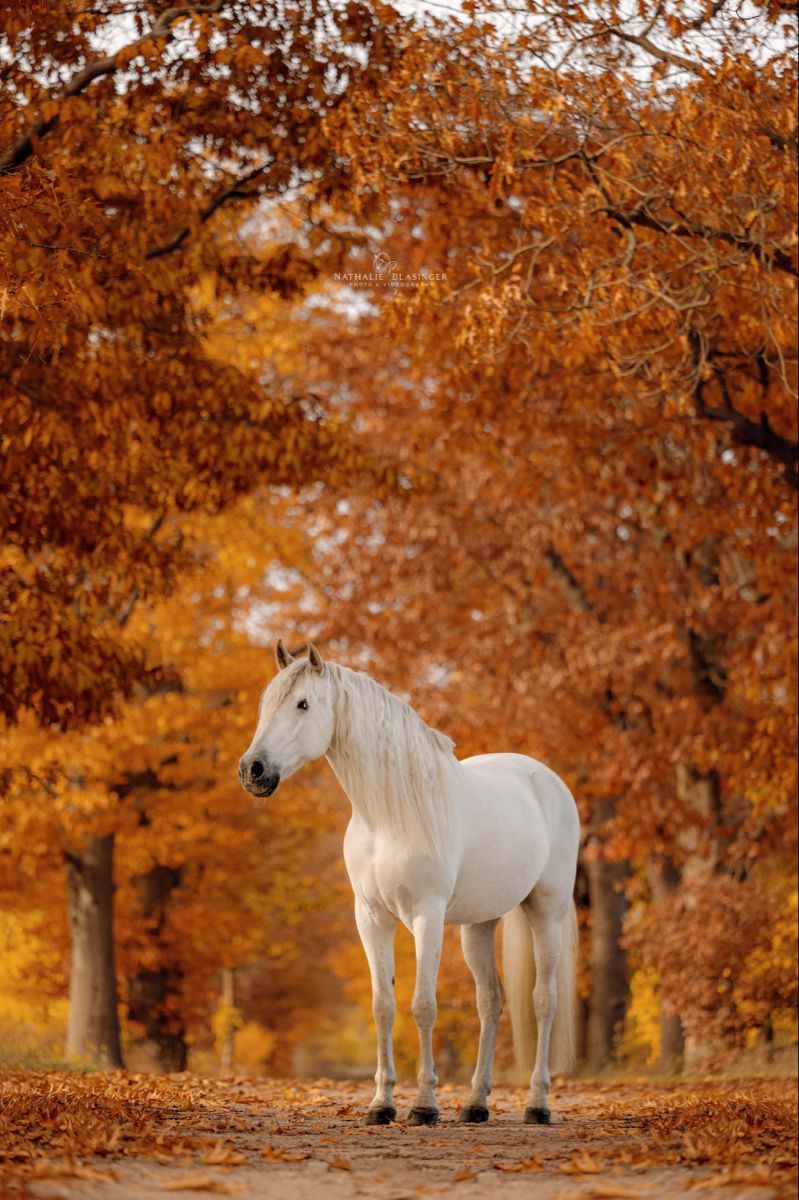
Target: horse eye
303	704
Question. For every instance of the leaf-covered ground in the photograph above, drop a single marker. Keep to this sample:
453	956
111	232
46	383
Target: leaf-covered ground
115	1136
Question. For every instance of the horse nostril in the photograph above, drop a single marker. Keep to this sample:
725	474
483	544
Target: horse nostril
256	769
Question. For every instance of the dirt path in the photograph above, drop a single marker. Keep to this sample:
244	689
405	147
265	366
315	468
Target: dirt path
137	1137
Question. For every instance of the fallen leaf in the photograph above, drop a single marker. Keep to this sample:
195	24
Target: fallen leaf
613	1191
755	1178
582	1164
525	1164
220	1155
69	1170
277	1154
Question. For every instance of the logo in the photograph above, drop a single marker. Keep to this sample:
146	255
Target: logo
384	265
384	274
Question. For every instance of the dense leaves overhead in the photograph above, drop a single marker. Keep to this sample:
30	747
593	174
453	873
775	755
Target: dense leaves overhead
613	206
125	178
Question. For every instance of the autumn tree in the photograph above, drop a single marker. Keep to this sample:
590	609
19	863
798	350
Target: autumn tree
135	140
203	881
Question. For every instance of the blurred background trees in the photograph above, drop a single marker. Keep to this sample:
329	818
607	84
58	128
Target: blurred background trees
466	345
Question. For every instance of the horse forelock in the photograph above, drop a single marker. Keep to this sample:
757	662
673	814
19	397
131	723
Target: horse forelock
281	687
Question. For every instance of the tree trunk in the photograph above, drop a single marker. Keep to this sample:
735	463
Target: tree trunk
664	879
608	1001
226	1057
703	847
162	1045
700	841
93	1028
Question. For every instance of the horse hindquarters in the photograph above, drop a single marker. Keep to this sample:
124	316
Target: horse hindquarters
539	956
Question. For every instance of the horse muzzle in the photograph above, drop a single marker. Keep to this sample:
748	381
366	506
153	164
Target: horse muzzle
258	778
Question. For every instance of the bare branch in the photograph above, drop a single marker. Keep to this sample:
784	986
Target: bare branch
668	56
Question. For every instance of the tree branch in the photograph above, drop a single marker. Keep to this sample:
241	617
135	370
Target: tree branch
569	585
746	431
668	56
694	229
22	150
753	433
774	136
234	192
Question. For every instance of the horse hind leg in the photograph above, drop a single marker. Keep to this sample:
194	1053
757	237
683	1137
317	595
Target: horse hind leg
478	950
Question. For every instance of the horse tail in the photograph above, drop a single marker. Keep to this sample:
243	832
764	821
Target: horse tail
518	968
563	1047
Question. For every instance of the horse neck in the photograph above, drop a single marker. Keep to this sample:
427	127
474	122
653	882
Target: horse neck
393	767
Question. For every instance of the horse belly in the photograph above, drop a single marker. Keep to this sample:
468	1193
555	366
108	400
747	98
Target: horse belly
503	855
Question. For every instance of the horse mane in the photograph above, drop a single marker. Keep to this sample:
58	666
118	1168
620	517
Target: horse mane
392	765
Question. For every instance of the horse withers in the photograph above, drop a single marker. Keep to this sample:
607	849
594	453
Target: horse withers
437	841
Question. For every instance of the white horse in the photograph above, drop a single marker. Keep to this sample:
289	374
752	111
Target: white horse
436	841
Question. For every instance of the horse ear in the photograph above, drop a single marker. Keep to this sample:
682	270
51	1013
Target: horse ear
315	659
282	656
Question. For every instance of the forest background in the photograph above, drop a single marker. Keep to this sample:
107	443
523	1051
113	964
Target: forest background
462	342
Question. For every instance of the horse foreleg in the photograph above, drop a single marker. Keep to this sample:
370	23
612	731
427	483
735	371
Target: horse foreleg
478	950
546	918
377	934
428	933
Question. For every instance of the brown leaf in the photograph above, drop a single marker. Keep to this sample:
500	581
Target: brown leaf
70	1170
756	1178
613	1191
524	1164
220	1155
277	1154
582	1164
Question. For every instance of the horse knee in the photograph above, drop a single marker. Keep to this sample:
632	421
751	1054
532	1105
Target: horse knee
489	1003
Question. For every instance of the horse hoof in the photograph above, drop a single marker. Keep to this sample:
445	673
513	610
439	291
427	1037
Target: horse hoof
380	1116
537	1116
423	1116
473	1114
